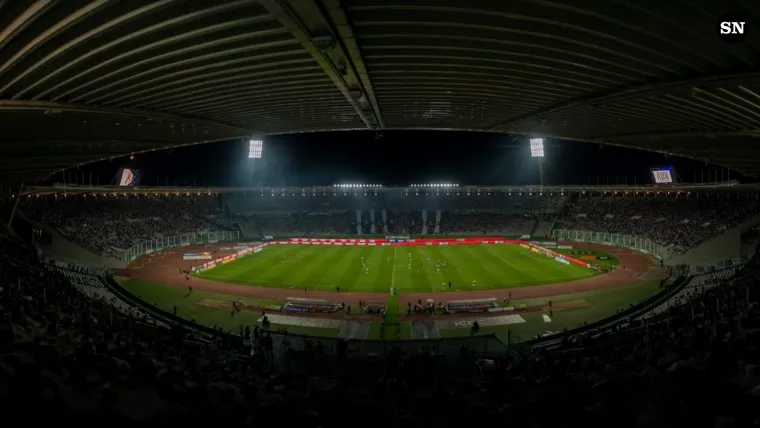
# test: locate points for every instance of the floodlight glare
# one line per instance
(537, 147)
(255, 147)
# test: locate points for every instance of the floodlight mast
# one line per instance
(541, 170)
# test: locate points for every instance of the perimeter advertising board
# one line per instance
(196, 256)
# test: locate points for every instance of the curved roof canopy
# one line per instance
(93, 79)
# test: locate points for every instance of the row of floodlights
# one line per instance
(434, 185)
(357, 185)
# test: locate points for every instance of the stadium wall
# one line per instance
(64, 250)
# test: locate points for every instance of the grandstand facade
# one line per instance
(664, 222)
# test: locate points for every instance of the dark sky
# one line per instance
(398, 158)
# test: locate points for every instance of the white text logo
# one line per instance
(732, 28)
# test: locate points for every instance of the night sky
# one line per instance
(397, 158)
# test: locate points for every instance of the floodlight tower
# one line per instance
(255, 149)
(537, 151)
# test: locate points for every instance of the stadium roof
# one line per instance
(87, 80)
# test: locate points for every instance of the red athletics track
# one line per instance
(163, 268)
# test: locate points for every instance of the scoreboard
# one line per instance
(663, 175)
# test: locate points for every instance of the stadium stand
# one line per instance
(61, 337)
(327, 215)
(107, 226)
(678, 222)
(697, 285)
(88, 81)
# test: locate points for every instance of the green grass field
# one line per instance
(410, 269)
(324, 267)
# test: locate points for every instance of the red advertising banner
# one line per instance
(402, 242)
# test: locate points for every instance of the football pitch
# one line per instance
(409, 269)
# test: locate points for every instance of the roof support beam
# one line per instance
(633, 92)
(698, 134)
(305, 31)
(340, 29)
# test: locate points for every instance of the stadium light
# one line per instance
(255, 148)
(357, 186)
(433, 185)
(537, 147)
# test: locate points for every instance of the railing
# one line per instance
(723, 264)
(367, 358)
(643, 245)
(632, 312)
(185, 239)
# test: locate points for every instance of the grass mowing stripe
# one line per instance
(489, 248)
(393, 272)
(517, 274)
(352, 269)
(270, 263)
(406, 266)
(384, 271)
(451, 274)
(424, 278)
(296, 261)
(426, 271)
(380, 271)
(552, 270)
(483, 277)
(312, 261)
(257, 266)
(348, 264)
(317, 271)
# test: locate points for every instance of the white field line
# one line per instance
(504, 260)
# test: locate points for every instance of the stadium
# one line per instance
(264, 211)
(302, 281)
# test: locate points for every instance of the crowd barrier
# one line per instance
(183, 240)
(639, 244)
(723, 264)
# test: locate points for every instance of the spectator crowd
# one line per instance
(282, 214)
(80, 358)
(679, 223)
(76, 349)
(109, 225)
